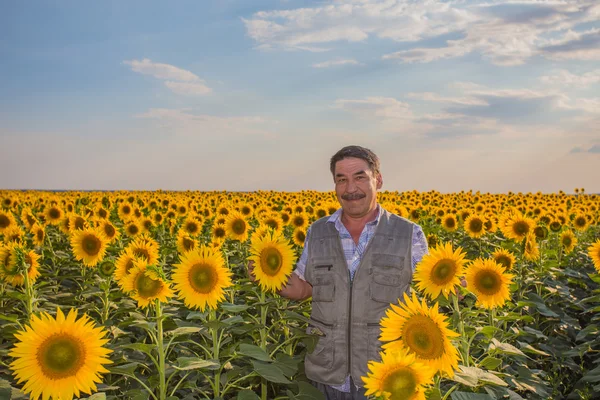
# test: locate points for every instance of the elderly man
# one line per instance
(354, 264)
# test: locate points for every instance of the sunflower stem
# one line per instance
(215, 340)
(461, 329)
(263, 339)
(28, 286)
(162, 390)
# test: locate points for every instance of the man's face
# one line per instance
(356, 186)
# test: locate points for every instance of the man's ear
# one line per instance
(379, 181)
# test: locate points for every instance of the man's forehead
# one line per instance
(351, 165)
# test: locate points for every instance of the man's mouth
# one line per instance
(350, 197)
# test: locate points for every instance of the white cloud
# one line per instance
(335, 63)
(566, 78)
(188, 88)
(385, 107)
(178, 80)
(184, 121)
(504, 32)
(466, 100)
(161, 71)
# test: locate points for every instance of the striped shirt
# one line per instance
(354, 252)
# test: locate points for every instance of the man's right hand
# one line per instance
(294, 289)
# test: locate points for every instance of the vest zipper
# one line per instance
(349, 325)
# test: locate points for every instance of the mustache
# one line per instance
(353, 196)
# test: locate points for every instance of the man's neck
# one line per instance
(349, 221)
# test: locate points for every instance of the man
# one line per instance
(354, 264)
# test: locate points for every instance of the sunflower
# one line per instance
(106, 268)
(421, 331)
(133, 228)
(89, 246)
(192, 225)
(568, 241)
(236, 226)
(474, 225)
(185, 242)
(7, 221)
(125, 211)
(10, 271)
(555, 225)
(38, 233)
(123, 266)
(273, 221)
(518, 227)
(299, 220)
(439, 271)
(145, 247)
(504, 258)
(398, 376)
(299, 236)
(53, 215)
(273, 259)
(158, 218)
(14, 234)
(433, 240)
(541, 232)
(218, 233)
(450, 223)
(532, 250)
(110, 232)
(594, 253)
(580, 222)
(59, 357)
(201, 277)
(144, 285)
(27, 216)
(489, 282)
(77, 223)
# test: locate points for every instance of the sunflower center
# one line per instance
(488, 282)
(203, 278)
(61, 356)
(109, 230)
(40, 235)
(270, 261)
(146, 286)
(580, 221)
(567, 241)
(191, 227)
(476, 225)
(504, 261)
(91, 245)
(54, 213)
(4, 221)
(423, 336)
(133, 229)
(443, 271)
(400, 384)
(140, 252)
(521, 228)
(238, 226)
(450, 222)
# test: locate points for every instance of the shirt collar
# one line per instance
(337, 216)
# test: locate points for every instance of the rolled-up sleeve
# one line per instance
(301, 264)
(419, 245)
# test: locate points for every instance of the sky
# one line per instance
(244, 95)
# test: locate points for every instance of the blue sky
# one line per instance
(247, 95)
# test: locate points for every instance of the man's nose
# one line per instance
(351, 187)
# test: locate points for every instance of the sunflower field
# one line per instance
(147, 295)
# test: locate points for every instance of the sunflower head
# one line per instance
(89, 246)
(440, 271)
(273, 258)
(237, 226)
(145, 283)
(60, 357)
(201, 278)
(489, 282)
(504, 258)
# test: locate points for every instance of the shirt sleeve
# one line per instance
(301, 264)
(419, 246)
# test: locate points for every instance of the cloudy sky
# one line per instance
(258, 94)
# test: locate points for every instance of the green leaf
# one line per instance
(467, 376)
(505, 348)
(127, 369)
(187, 363)
(97, 396)
(470, 396)
(253, 351)
(588, 330)
(306, 391)
(270, 372)
(234, 308)
(186, 330)
(530, 349)
(490, 363)
(247, 394)
(143, 347)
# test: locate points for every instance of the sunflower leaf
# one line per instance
(247, 394)
(186, 330)
(97, 396)
(253, 351)
(187, 363)
(143, 347)
(234, 308)
(470, 396)
(270, 372)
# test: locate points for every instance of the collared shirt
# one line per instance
(354, 252)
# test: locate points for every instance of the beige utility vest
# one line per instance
(347, 313)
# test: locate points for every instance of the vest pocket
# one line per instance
(323, 289)
(374, 345)
(387, 261)
(386, 288)
(322, 356)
